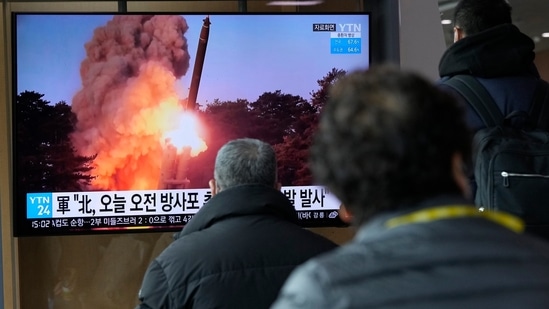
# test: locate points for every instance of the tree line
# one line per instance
(46, 161)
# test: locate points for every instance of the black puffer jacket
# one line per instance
(236, 252)
(502, 60)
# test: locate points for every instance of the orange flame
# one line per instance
(187, 134)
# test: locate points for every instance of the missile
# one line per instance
(198, 64)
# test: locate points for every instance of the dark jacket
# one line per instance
(502, 59)
(236, 252)
(456, 262)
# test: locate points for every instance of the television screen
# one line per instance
(118, 117)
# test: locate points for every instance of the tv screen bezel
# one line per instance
(19, 215)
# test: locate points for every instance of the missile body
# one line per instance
(198, 64)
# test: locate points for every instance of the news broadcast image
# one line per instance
(118, 117)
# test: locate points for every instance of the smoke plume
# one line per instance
(128, 97)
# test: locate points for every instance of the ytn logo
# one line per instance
(349, 27)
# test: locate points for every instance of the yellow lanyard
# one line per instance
(457, 211)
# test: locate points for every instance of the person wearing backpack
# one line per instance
(490, 69)
(490, 48)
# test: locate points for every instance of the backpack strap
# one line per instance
(478, 97)
(539, 110)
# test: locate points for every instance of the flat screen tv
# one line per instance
(117, 117)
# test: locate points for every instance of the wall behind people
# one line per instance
(421, 37)
(1, 273)
(542, 62)
(8, 275)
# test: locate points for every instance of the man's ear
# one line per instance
(345, 215)
(213, 187)
(459, 175)
(278, 186)
(458, 34)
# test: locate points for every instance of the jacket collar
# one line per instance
(376, 225)
(241, 201)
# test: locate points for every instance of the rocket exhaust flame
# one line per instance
(181, 144)
(187, 135)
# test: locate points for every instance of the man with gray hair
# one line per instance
(241, 246)
(244, 161)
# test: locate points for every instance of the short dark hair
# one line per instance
(245, 161)
(386, 139)
(474, 16)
